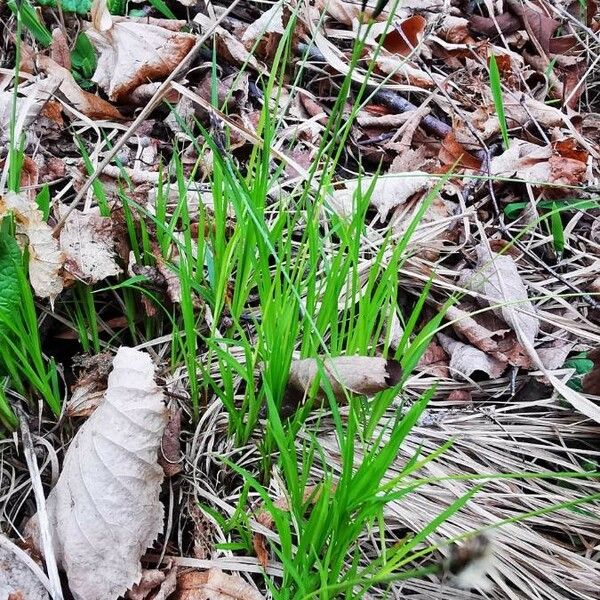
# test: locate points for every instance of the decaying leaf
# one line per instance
(105, 510)
(45, 257)
(170, 448)
(364, 375)
(386, 192)
(266, 31)
(214, 585)
(88, 391)
(17, 580)
(87, 242)
(132, 52)
(466, 360)
(498, 279)
(154, 585)
(591, 381)
(228, 46)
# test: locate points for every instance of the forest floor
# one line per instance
(299, 299)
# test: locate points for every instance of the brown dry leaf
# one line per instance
(404, 38)
(87, 243)
(388, 192)
(498, 279)
(434, 361)
(466, 360)
(17, 580)
(105, 510)
(88, 391)
(61, 80)
(214, 585)
(346, 12)
(228, 46)
(131, 52)
(454, 154)
(45, 258)
(59, 49)
(364, 375)
(170, 447)
(154, 585)
(591, 381)
(264, 34)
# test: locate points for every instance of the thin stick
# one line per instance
(42, 514)
(144, 114)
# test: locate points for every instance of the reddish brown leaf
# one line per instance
(591, 382)
(454, 153)
(404, 38)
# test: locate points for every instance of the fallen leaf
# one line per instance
(87, 243)
(17, 580)
(404, 38)
(131, 53)
(154, 585)
(386, 193)
(170, 447)
(264, 34)
(434, 361)
(88, 391)
(591, 380)
(454, 154)
(363, 375)
(498, 279)
(214, 585)
(466, 360)
(105, 510)
(45, 258)
(228, 46)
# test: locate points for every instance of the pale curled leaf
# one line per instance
(105, 509)
(465, 360)
(364, 375)
(386, 193)
(214, 585)
(498, 279)
(45, 257)
(87, 242)
(132, 53)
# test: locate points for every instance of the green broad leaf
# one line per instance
(83, 57)
(10, 263)
(31, 21)
(81, 7)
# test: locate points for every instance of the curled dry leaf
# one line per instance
(105, 510)
(228, 46)
(466, 360)
(45, 257)
(364, 375)
(214, 585)
(170, 447)
(265, 32)
(87, 242)
(132, 53)
(154, 585)
(498, 279)
(17, 580)
(386, 193)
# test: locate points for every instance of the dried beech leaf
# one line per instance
(132, 52)
(525, 160)
(105, 509)
(214, 585)
(498, 279)
(387, 192)
(364, 375)
(88, 245)
(45, 258)
(465, 360)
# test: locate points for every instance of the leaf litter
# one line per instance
(512, 232)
